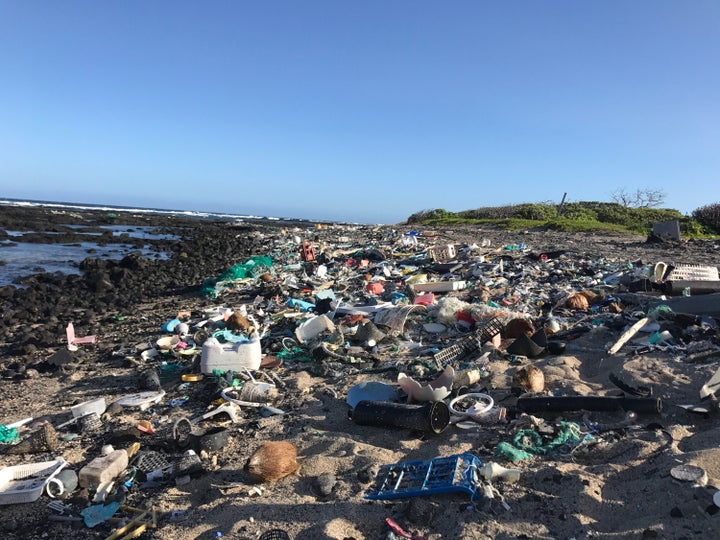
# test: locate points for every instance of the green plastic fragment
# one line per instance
(8, 435)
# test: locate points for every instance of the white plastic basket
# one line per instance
(693, 272)
(25, 483)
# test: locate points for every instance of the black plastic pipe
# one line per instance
(432, 417)
(590, 403)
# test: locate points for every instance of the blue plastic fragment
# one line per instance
(302, 305)
(372, 391)
(458, 473)
(99, 513)
(170, 325)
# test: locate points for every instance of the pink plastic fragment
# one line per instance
(424, 299)
(74, 341)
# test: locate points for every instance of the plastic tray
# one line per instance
(469, 344)
(25, 483)
(437, 475)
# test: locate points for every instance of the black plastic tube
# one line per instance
(431, 417)
(590, 403)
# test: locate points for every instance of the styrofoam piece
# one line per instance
(435, 390)
(439, 286)
(167, 342)
(693, 272)
(88, 407)
(434, 328)
(348, 309)
(141, 398)
(25, 483)
(230, 356)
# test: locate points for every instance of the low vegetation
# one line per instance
(577, 216)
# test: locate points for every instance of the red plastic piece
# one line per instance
(307, 252)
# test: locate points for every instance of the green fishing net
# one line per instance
(252, 268)
(528, 442)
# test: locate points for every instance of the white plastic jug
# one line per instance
(230, 356)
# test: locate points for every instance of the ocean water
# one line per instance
(21, 259)
(154, 211)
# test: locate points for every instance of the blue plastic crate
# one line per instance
(456, 473)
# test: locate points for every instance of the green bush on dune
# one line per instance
(577, 216)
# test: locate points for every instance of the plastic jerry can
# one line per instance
(104, 468)
(230, 356)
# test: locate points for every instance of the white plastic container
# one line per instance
(103, 468)
(25, 483)
(230, 356)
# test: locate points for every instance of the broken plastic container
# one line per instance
(88, 407)
(313, 327)
(230, 356)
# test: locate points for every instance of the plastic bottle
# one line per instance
(103, 468)
(493, 471)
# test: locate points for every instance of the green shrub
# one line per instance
(578, 211)
(578, 216)
(424, 216)
(538, 211)
(489, 212)
(708, 216)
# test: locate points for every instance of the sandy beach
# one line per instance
(610, 478)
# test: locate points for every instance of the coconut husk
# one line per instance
(577, 301)
(272, 461)
(237, 322)
(529, 379)
(519, 327)
(592, 297)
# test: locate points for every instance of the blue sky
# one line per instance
(362, 111)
